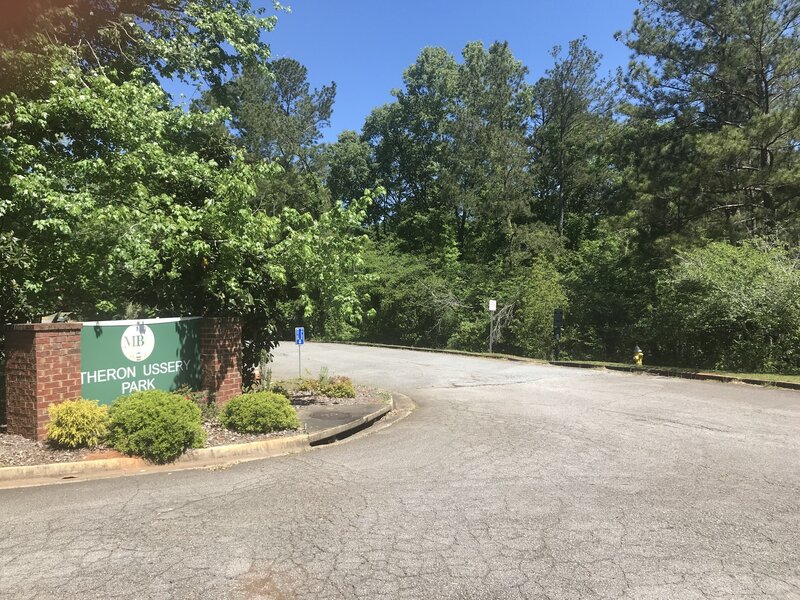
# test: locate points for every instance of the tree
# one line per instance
(276, 117)
(116, 200)
(715, 117)
(276, 114)
(489, 177)
(350, 169)
(410, 142)
(451, 150)
(411, 301)
(573, 119)
(204, 41)
(539, 291)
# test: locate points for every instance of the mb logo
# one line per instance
(137, 342)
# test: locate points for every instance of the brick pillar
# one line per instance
(220, 355)
(43, 367)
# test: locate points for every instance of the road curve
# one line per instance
(509, 480)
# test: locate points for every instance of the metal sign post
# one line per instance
(492, 309)
(299, 339)
(558, 323)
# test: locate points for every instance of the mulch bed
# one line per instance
(16, 451)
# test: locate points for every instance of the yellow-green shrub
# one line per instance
(77, 424)
(339, 387)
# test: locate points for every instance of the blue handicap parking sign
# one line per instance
(299, 335)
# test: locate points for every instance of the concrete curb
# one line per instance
(11, 477)
(699, 375)
(789, 385)
(509, 357)
(333, 432)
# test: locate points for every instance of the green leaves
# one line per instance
(119, 203)
(732, 307)
(720, 80)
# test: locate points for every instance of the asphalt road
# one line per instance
(507, 481)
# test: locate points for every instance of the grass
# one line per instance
(759, 376)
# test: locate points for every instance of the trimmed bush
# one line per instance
(156, 425)
(260, 412)
(77, 424)
(339, 387)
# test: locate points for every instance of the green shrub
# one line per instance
(77, 424)
(260, 412)
(339, 387)
(156, 425)
(731, 307)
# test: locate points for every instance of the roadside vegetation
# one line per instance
(161, 426)
(77, 424)
(659, 206)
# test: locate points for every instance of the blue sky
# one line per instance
(365, 45)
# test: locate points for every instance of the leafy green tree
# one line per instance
(539, 291)
(197, 40)
(74, 77)
(350, 169)
(410, 144)
(412, 300)
(451, 150)
(276, 114)
(489, 172)
(276, 117)
(113, 196)
(574, 176)
(610, 284)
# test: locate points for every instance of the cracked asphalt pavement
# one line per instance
(509, 480)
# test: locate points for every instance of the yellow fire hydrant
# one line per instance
(638, 355)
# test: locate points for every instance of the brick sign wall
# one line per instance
(43, 366)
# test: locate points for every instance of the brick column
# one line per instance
(43, 367)
(220, 355)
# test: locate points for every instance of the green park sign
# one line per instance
(122, 357)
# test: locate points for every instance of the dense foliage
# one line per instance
(156, 425)
(658, 208)
(259, 412)
(737, 305)
(77, 424)
(116, 202)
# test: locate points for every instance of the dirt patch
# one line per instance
(17, 451)
(364, 395)
(217, 435)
